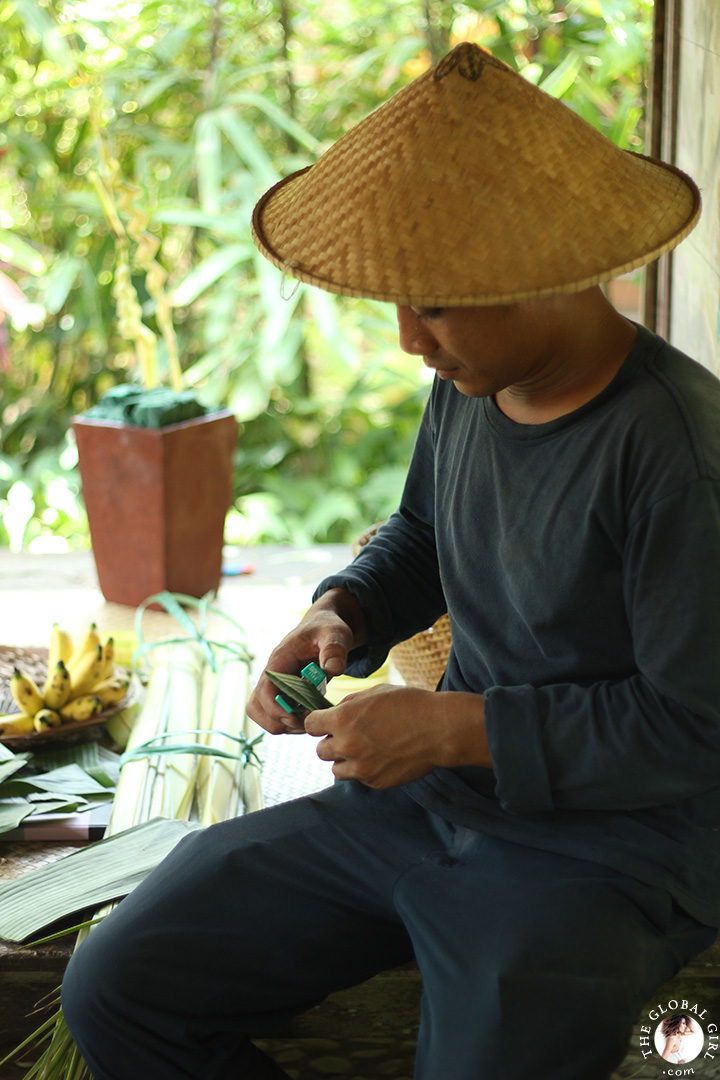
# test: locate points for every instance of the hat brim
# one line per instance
(472, 191)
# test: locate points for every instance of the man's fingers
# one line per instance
(334, 645)
(317, 723)
(293, 725)
(265, 711)
(326, 750)
(333, 658)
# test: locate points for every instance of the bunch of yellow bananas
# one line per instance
(81, 682)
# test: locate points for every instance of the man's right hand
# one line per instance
(328, 631)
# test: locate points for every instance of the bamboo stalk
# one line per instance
(183, 715)
(220, 788)
(137, 775)
(207, 713)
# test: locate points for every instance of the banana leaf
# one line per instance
(12, 765)
(107, 870)
(48, 802)
(97, 761)
(13, 812)
(68, 780)
(14, 809)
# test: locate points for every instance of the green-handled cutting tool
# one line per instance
(300, 693)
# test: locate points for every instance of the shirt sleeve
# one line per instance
(652, 738)
(395, 577)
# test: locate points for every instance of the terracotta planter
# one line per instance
(156, 502)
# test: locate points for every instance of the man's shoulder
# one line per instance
(686, 381)
(673, 403)
(670, 383)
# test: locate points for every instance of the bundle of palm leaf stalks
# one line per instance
(190, 761)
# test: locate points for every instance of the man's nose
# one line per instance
(415, 338)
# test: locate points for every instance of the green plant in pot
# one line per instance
(156, 465)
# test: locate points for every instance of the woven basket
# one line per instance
(422, 659)
(34, 662)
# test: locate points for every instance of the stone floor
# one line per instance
(374, 1058)
(377, 1058)
(355, 1059)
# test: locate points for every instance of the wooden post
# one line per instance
(661, 142)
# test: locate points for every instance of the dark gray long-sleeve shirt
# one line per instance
(579, 561)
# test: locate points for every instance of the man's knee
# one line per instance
(98, 985)
(84, 986)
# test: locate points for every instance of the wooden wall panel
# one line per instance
(695, 286)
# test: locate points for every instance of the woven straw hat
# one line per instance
(471, 186)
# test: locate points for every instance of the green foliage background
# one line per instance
(188, 111)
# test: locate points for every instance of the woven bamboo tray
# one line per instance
(422, 659)
(33, 661)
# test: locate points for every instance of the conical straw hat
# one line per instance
(472, 186)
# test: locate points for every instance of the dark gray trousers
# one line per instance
(535, 966)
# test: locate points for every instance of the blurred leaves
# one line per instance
(17, 252)
(205, 105)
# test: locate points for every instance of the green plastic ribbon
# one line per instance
(152, 747)
(173, 605)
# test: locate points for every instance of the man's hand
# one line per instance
(326, 634)
(392, 735)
